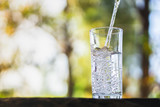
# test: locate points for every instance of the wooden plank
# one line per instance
(77, 102)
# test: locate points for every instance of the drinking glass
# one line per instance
(106, 62)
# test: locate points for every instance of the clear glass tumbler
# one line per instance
(106, 62)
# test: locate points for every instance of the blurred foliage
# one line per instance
(28, 10)
(82, 77)
(6, 93)
(11, 24)
(4, 4)
(146, 46)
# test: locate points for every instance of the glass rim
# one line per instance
(98, 28)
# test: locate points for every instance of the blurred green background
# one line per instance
(45, 46)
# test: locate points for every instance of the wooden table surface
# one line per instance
(77, 102)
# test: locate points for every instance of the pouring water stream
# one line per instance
(108, 39)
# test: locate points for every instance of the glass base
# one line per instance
(105, 96)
